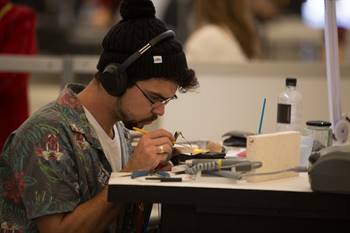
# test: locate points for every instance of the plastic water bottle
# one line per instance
(289, 108)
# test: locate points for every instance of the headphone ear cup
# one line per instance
(121, 83)
(114, 80)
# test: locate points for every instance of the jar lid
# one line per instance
(319, 123)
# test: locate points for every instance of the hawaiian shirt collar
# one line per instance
(77, 120)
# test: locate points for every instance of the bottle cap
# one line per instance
(291, 82)
(319, 123)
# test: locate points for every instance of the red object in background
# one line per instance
(107, 3)
(17, 36)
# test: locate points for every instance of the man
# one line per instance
(55, 167)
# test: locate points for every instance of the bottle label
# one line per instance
(284, 113)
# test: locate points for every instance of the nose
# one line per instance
(159, 110)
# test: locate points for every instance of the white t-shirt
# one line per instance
(111, 147)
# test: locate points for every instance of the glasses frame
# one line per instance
(153, 102)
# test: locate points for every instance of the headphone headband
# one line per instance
(154, 41)
(161, 37)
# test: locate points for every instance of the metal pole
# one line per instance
(339, 126)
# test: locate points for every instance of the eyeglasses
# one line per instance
(156, 101)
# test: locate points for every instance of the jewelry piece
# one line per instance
(161, 149)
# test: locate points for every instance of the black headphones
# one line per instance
(114, 78)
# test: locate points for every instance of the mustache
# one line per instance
(132, 123)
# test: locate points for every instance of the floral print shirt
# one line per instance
(53, 163)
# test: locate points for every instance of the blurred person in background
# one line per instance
(224, 32)
(98, 12)
(177, 15)
(265, 10)
(105, 12)
(17, 36)
(271, 12)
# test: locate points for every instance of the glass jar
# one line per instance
(321, 132)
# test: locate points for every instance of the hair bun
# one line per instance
(132, 9)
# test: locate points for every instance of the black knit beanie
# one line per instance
(137, 27)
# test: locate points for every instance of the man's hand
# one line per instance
(152, 149)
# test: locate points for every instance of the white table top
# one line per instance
(298, 183)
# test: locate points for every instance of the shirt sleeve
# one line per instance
(46, 171)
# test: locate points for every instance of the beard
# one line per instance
(129, 123)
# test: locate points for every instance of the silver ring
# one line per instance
(161, 149)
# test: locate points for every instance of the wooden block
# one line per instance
(276, 151)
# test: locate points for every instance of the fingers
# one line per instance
(160, 133)
(163, 145)
(165, 166)
(164, 149)
(158, 138)
(161, 149)
(162, 157)
(165, 142)
(152, 148)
